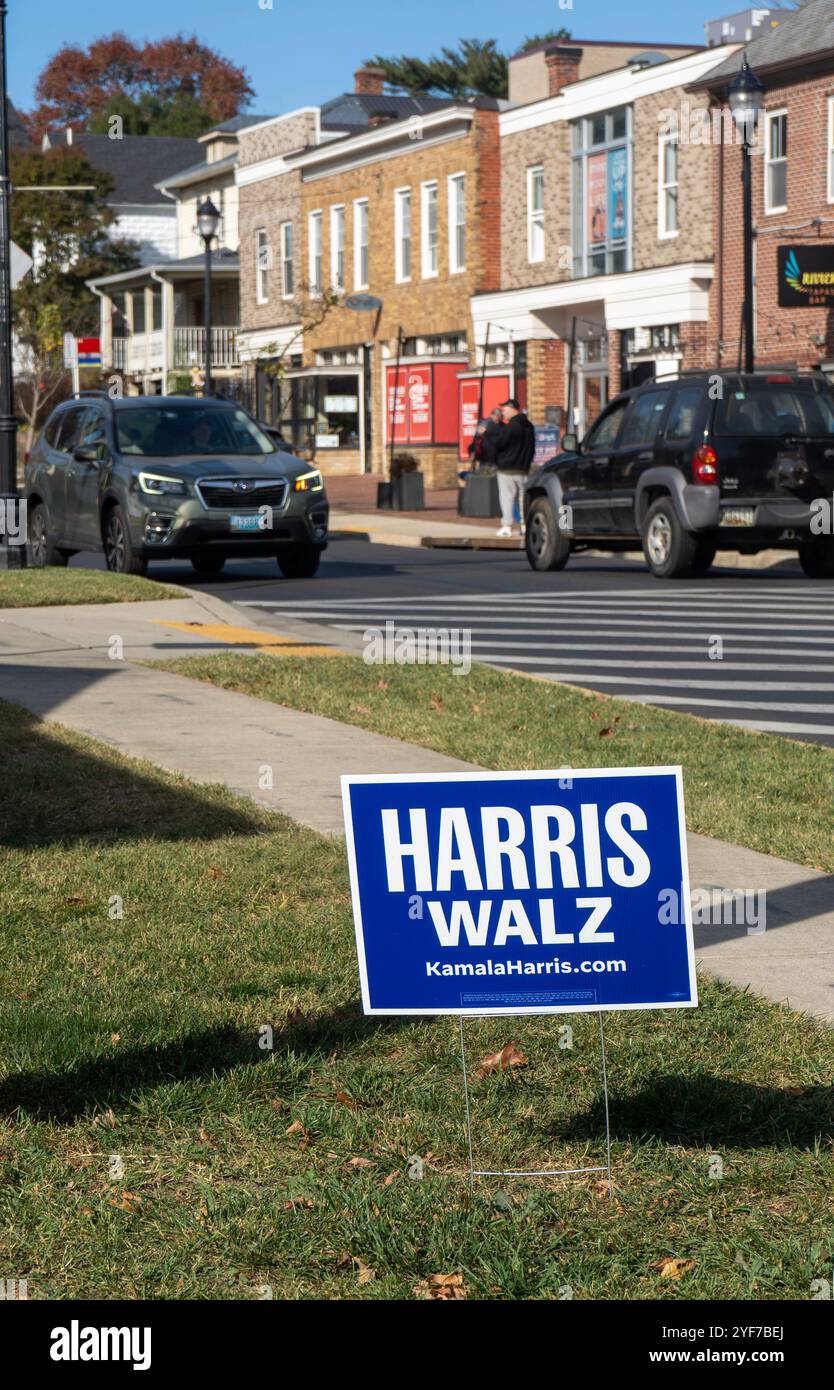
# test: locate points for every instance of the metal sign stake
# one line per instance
(540, 1172)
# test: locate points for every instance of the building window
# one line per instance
(601, 193)
(261, 266)
(776, 161)
(402, 234)
(428, 230)
(315, 252)
(667, 192)
(360, 244)
(831, 149)
(287, 277)
(337, 248)
(535, 213)
(457, 223)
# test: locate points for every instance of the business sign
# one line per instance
(363, 303)
(520, 892)
(806, 276)
(418, 391)
(617, 194)
(547, 444)
(89, 352)
(597, 195)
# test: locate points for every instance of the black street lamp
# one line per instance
(744, 95)
(208, 220)
(11, 556)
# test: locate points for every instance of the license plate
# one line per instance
(245, 521)
(738, 516)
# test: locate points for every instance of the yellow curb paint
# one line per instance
(274, 642)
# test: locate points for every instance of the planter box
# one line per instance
(404, 494)
(479, 496)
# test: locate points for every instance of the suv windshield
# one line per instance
(770, 409)
(164, 431)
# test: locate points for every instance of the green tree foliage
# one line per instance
(474, 68)
(173, 86)
(552, 36)
(66, 234)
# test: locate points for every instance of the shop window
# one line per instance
(601, 193)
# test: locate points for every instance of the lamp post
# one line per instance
(12, 556)
(208, 219)
(744, 95)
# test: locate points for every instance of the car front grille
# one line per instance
(242, 494)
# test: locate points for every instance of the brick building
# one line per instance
(606, 231)
(793, 198)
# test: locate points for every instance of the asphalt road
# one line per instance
(747, 647)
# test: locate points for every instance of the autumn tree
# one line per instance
(173, 86)
(67, 236)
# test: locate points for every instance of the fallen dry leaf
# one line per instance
(601, 1187)
(128, 1201)
(344, 1099)
(205, 1137)
(672, 1268)
(382, 685)
(296, 1128)
(294, 1202)
(364, 1273)
(360, 709)
(442, 1286)
(106, 1120)
(391, 1177)
(435, 700)
(360, 1163)
(115, 1037)
(214, 872)
(607, 732)
(509, 1056)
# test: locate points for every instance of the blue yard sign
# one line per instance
(521, 892)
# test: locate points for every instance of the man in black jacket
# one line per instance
(516, 448)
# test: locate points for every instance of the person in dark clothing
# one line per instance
(514, 454)
(485, 443)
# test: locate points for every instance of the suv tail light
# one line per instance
(705, 465)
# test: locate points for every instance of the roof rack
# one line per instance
(99, 394)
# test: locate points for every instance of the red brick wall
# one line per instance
(782, 335)
(488, 199)
(614, 362)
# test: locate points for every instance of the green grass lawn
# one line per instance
(759, 790)
(39, 588)
(150, 1146)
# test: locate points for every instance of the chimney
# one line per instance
(369, 81)
(562, 67)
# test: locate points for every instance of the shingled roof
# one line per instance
(137, 163)
(800, 37)
(353, 111)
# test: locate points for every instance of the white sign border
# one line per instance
(349, 780)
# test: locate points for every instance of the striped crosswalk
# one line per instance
(759, 657)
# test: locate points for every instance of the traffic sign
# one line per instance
(521, 892)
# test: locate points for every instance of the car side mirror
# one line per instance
(570, 444)
(87, 453)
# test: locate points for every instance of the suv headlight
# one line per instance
(309, 482)
(158, 485)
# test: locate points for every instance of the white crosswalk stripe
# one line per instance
(747, 656)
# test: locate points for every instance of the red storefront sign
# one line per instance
(412, 410)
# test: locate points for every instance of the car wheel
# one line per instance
(817, 558)
(547, 547)
(704, 554)
(118, 550)
(42, 550)
(299, 561)
(668, 547)
(208, 564)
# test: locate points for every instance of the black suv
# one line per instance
(705, 461)
(170, 477)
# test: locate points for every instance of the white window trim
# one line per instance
(334, 277)
(426, 272)
(830, 151)
(663, 233)
(260, 271)
(768, 117)
(285, 293)
(450, 180)
(531, 171)
(317, 213)
(358, 283)
(399, 193)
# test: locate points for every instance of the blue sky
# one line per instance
(301, 52)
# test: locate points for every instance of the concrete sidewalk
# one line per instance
(55, 662)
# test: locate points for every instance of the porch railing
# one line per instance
(190, 347)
